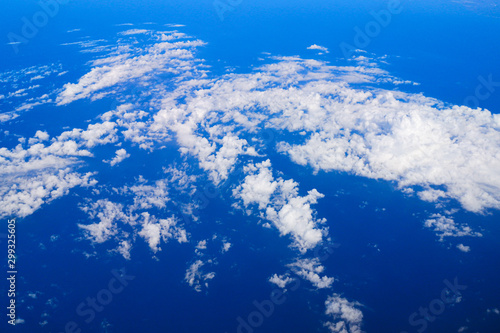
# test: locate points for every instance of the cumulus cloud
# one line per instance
(442, 151)
(280, 280)
(123, 223)
(134, 32)
(202, 245)
(22, 195)
(347, 318)
(328, 117)
(279, 202)
(121, 154)
(226, 246)
(163, 229)
(43, 169)
(108, 213)
(318, 47)
(136, 64)
(148, 196)
(124, 249)
(196, 278)
(336, 120)
(257, 187)
(446, 227)
(310, 270)
(463, 248)
(493, 310)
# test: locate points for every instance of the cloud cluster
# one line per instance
(446, 227)
(22, 195)
(327, 117)
(280, 280)
(318, 48)
(463, 248)
(310, 270)
(121, 154)
(279, 202)
(439, 150)
(196, 277)
(136, 64)
(41, 169)
(163, 229)
(122, 223)
(21, 89)
(347, 317)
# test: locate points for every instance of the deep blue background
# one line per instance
(444, 46)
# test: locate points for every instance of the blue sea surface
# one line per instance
(383, 256)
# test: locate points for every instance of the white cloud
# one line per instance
(463, 248)
(347, 318)
(134, 32)
(148, 196)
(280, 280)
(95, 134)
(123, 223)
(22, 195)
(279, 202)
(121, 154)
(124, 249)
(164, 229)
(406, 138)
(436, 150)
(43, 170)
(202, 245)
(446, 227)
(226, 246)
(414, 141)
(310, 270)
(257, 187)
(493, 310)
(42, 136)
(108, 213)
(318, 47)
(196, 278)
(162, 57)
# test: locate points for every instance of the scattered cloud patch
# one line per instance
(226, 246)
(347, 318)
(463, 248)
(280, 280)
(202, 245)
(446, 227)
(121, 154)
(278, 201)
(319, 48)
(196, 278)
(310, 270)
(134, 32)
